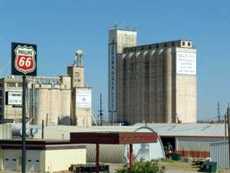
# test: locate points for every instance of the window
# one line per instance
(37, 161)
(11, 84)
(14, 159)
(189, 44)
(183, 43)
(6, 159)
(29, 160)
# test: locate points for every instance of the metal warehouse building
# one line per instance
(189, 139)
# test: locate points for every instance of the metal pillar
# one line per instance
(24, 124)
(130, 156)
(97, 157)
(43, 129)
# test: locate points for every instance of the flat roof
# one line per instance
(112, 137)
(39, 144)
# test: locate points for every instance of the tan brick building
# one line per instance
(157, 83)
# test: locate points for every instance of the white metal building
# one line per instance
(108, 153)
(189, 139)
(42, 156)
(219, 152)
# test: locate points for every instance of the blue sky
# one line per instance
(58, 27)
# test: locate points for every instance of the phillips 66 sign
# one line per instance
(24, 59)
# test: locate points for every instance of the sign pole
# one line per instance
(24, 124)
(24, 63)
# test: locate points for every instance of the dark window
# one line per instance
(29, 160)
(6, 159)
(189, 44)
(183, 43)
(37, 160)
(14, 160)
(11, 84)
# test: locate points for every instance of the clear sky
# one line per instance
(58, 27)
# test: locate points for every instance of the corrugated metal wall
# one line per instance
(195, 143)
(195, 147)
(219, 152)
(5, 131)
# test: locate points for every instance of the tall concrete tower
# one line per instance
(119, 38)
(81, 106)
(76, 71)
(157, 83)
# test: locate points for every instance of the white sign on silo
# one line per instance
(83, 98)
(185, 61)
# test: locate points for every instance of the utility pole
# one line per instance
(218, 111)
(228, 121)
(100, 111)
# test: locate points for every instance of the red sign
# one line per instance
(25, 59)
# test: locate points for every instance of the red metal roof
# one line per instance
(113, 137)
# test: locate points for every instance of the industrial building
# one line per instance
(157, 83)
(191, 140)
(55, 100)
(153, 83)
(119, 38)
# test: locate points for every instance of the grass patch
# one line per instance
(177, 165)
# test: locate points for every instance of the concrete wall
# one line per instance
(40, 161)
(60, 160)
(52, 105)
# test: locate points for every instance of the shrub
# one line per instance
(142, 167)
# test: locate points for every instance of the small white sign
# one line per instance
(83, 98)
(14, 97)
(186, 61)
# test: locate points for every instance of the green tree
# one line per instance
(142, 167)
